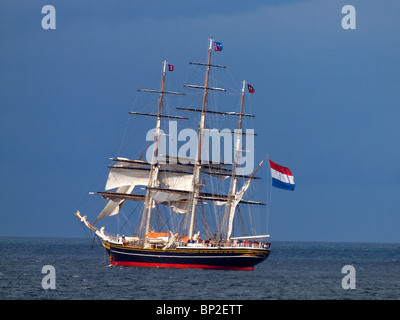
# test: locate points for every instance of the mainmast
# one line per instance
(197, 164)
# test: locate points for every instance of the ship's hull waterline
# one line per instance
(223, 258)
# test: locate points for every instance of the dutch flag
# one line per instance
(281, 177)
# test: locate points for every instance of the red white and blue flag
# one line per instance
(281, 177)
(218, 46)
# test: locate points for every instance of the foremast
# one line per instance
(148, 204)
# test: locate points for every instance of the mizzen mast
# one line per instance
(232, 188)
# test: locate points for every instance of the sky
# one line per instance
(327, 104)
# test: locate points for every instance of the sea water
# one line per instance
(294, 270)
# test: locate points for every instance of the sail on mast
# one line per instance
(126, 174)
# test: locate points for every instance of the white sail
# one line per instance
(127, 176)
(176, 180)
(238, 198)
(114, 205)
(165, 196)
(119, 177)
(179, 207)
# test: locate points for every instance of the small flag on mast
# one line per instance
(171, 67)
(218, 46)
(282, 178)
(250, 89)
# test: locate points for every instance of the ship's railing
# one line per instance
(200, 243)
(219, 244)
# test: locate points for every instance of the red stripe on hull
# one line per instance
(175, 265)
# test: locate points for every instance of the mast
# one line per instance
(149, 202)
(197, 165)
(232, 188)
(238, 198)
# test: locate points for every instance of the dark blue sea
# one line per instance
(294, 270)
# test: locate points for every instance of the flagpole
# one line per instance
(268, 206)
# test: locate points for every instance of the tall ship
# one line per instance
(188, 211)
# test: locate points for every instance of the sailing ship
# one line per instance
(178, 185)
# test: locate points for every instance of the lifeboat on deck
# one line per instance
(158, 237)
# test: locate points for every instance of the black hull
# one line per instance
(228, 258)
